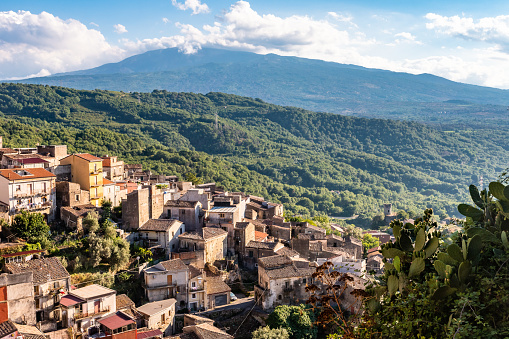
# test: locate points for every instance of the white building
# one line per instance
(167, 279)
(162, 233)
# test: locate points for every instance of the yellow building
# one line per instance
(87, 170)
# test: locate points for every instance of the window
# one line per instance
(183, 212)
(251, 254)
(77, 197)
(193, 284)
(304, 280)
(18, 188)
(279, 297)
(193, 296)
(56, 284)
(221, 215)
(287, 284)
(172, 234)
(181, 231)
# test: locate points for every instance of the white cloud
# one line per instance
(94, 24)
(166, 20)
(35, 43)
(405, 37)
(490, 29)
(195, 5)
(120, 29)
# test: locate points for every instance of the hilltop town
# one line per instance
(199, 244)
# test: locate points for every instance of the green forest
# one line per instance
(314, 163)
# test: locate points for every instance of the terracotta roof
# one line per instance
(123, 301)
(32, 173)
(212, 232)
(216, 285)
(181, 203)
(17, 254)
(208, 331)
(6, 328)
(70, 300)
(6, 150)
(88, 157)
(149, 334)
(174, 265)
(44, 270)
(275, 261)
(191, 235)
(116, 320)
(260, 236)
(108, 182)
(159, 225)
(194, 272)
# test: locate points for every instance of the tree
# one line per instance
(30, 226)
(270, 333)
(91, 222)
(106, 207)
(297, 320)
(369, 241)
(193, 178)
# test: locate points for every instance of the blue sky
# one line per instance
(465, 41)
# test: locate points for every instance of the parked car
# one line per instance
(233, 297)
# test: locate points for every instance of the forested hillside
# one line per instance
(314, 163)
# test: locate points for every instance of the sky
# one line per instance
(465, 41)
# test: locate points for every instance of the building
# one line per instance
(70, 194)
(10, 330)
(159, 315)
(17, 298)
(263, 209)
(189, 212)
(257, 249)
(117, 326)
(167, 279)
(217, 291)
(73, 216)
(281, 282)
(206, 331)
(30, 189)
(197, 289)
(211, 241)
(87, 171)
(50, 280)
(244, 232)
(112, 192)
(142, 205)
(113, 169)
(162, 233)
(83, 307)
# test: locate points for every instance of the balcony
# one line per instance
(21, 194)
(93, 172)
(82, 315)
(33, 207)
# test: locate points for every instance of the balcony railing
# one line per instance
(82, 315)
(96, 171)
(33, 207)
(20, 194)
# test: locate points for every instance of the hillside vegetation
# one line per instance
(314, 163)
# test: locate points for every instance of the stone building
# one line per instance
(244, 232)
(142, 205)
(70, 194)
(50, 280)
(189, 212)
(161, 233)
(256, 249)
(17, 298)
(211, 241)
(281, 282)
(263, 209)
(73, 216)
(113, 168)
(217, 291)
(197, 289)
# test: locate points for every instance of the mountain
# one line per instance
(314, 163)
(292, 81)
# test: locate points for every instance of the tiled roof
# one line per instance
(116, 320)
(189, 335)
(17, 254)
(275, 261)
(6, 150)
(197, 319)
(79, 210)
(6, 328)
(260, 236)
(191, 235)
(107, 182)
(70, 300)
(194, 272)
(208, 331)
(289, 271)
(88, 157)
(159, 225)
(149, 334)
(44, 270)
(123, 301)
(212, 232)
(30, 332)
(262, 245)
(181, 203)
(287, 251)
(32, 173)
(174, 265)
(216, 285)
